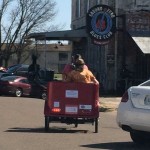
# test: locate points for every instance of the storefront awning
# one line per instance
(70, 35)
(142, 41)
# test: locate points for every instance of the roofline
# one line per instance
(70, 35)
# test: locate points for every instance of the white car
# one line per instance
(133, 113)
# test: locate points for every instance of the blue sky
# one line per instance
(64, 13)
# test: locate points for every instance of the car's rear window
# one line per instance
(9, 78)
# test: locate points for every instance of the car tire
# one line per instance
(44, 95)
(18, 92)
(137, 137)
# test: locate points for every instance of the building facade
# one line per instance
(49, 56)
(54, 56)
(125, 60)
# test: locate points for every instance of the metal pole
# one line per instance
(45, 53)
(124, 40)
(116, 52)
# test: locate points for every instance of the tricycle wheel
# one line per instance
(96, 125)
(46, 123)
(44, 95)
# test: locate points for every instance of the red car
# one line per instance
(20, 86)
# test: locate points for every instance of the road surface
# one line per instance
(22, 128)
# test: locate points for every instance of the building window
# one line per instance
(63, 56)
(78, 8)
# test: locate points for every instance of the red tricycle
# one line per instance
(72, 103)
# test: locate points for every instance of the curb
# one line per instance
(109, 104)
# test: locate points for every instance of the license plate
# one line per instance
(147, 100)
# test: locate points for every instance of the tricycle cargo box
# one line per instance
(76, 101)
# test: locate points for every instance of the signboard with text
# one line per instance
(101, 24)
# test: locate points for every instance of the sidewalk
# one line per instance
(108, 104)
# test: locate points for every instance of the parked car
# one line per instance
(20, 86)
(22, 70)
(39, 89)
(13, 66)
(3, 74)
(133, 113)
(19, 70)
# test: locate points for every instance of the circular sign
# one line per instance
(101, 24)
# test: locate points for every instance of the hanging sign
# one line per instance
(101, 24)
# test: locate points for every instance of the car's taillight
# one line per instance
(56, 110)
(125, 97)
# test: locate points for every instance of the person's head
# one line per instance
(76, 57)
(34, 58)
(79, 64)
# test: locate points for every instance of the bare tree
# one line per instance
(3, 7)
(24, 17)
